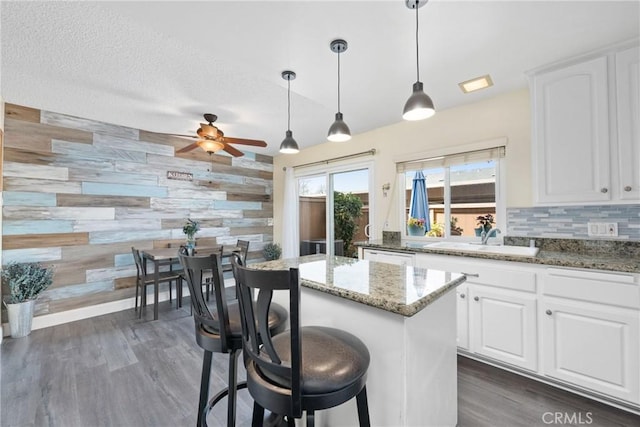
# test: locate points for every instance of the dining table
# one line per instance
(164, 256)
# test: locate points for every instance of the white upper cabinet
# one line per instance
(585, 130)
(628, 109)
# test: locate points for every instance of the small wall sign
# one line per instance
(181, 176)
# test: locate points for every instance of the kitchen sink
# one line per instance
(488, 249)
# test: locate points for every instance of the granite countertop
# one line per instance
(403, 290)
(621, 256)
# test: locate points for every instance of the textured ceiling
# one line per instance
(159, 65)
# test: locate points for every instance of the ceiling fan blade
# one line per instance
(188, 148)
(242, 141)
(176, 134)
(233, 151)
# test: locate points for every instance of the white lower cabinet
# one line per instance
(591, 331)
(576, 327)
(503, 325)
(496, 308)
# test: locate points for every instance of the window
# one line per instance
(336, 200)
(462, 194)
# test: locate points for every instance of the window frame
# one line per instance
(500, 193)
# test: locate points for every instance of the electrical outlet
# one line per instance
(602, 229)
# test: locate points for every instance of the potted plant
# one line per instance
(485, 222)
(271, 251)
(190, 228)
(415, 226)
(25, 282)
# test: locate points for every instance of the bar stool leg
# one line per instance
(363, 408)
(233, 384)
(204, 385)
(258, 415)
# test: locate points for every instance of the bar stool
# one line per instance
(303, 369)
(220, 331)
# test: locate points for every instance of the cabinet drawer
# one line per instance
(603, 288)
(398, 258)
(504, 278)
(501, 274)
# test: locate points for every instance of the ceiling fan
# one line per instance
(212, 139)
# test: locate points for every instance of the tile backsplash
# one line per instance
(570, 222)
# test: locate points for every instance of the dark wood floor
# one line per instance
(116, 370)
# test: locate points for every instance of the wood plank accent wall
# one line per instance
(78, 194)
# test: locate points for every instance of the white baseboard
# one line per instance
(53, 319)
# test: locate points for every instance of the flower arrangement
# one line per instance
(416, 222)
(485, 222)
(190, 228)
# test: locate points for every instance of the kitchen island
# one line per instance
(407, 318)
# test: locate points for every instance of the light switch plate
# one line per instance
(602, 229)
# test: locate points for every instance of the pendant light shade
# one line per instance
(339, 131)
(289, 145)
(419, 106)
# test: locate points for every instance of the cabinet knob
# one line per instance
(604, 190)
(549, 312)
(627, 188)
(476, 299)
(462, 295)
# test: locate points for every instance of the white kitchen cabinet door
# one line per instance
(571, 148)
(502, 325)
(628, 100)
(593, 346)
(398, 258)
(462, 306)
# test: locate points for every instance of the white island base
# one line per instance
(412, 379)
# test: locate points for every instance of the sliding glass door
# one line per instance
(334, 210)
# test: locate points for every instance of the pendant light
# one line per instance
(339, 131)
(419, 106)
(289, 145)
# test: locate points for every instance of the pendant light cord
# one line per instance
(339, 80)
(417, 50)
(289, 103)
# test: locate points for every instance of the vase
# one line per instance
(478, 231)
(415, 230)
(20, 317)
(190, 245)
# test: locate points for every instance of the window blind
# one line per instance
(452, 159)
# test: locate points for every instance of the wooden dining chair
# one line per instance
(146, 278)
(243, 245)
(219, 331)
(303, 369)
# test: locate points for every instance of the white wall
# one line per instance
(502, 116)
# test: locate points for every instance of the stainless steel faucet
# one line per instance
(484, 236)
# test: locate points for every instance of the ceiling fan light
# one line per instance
(339, 131)
(419, 106)
(210, 146)
(289, 145)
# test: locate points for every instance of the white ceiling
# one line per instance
(158, 65)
